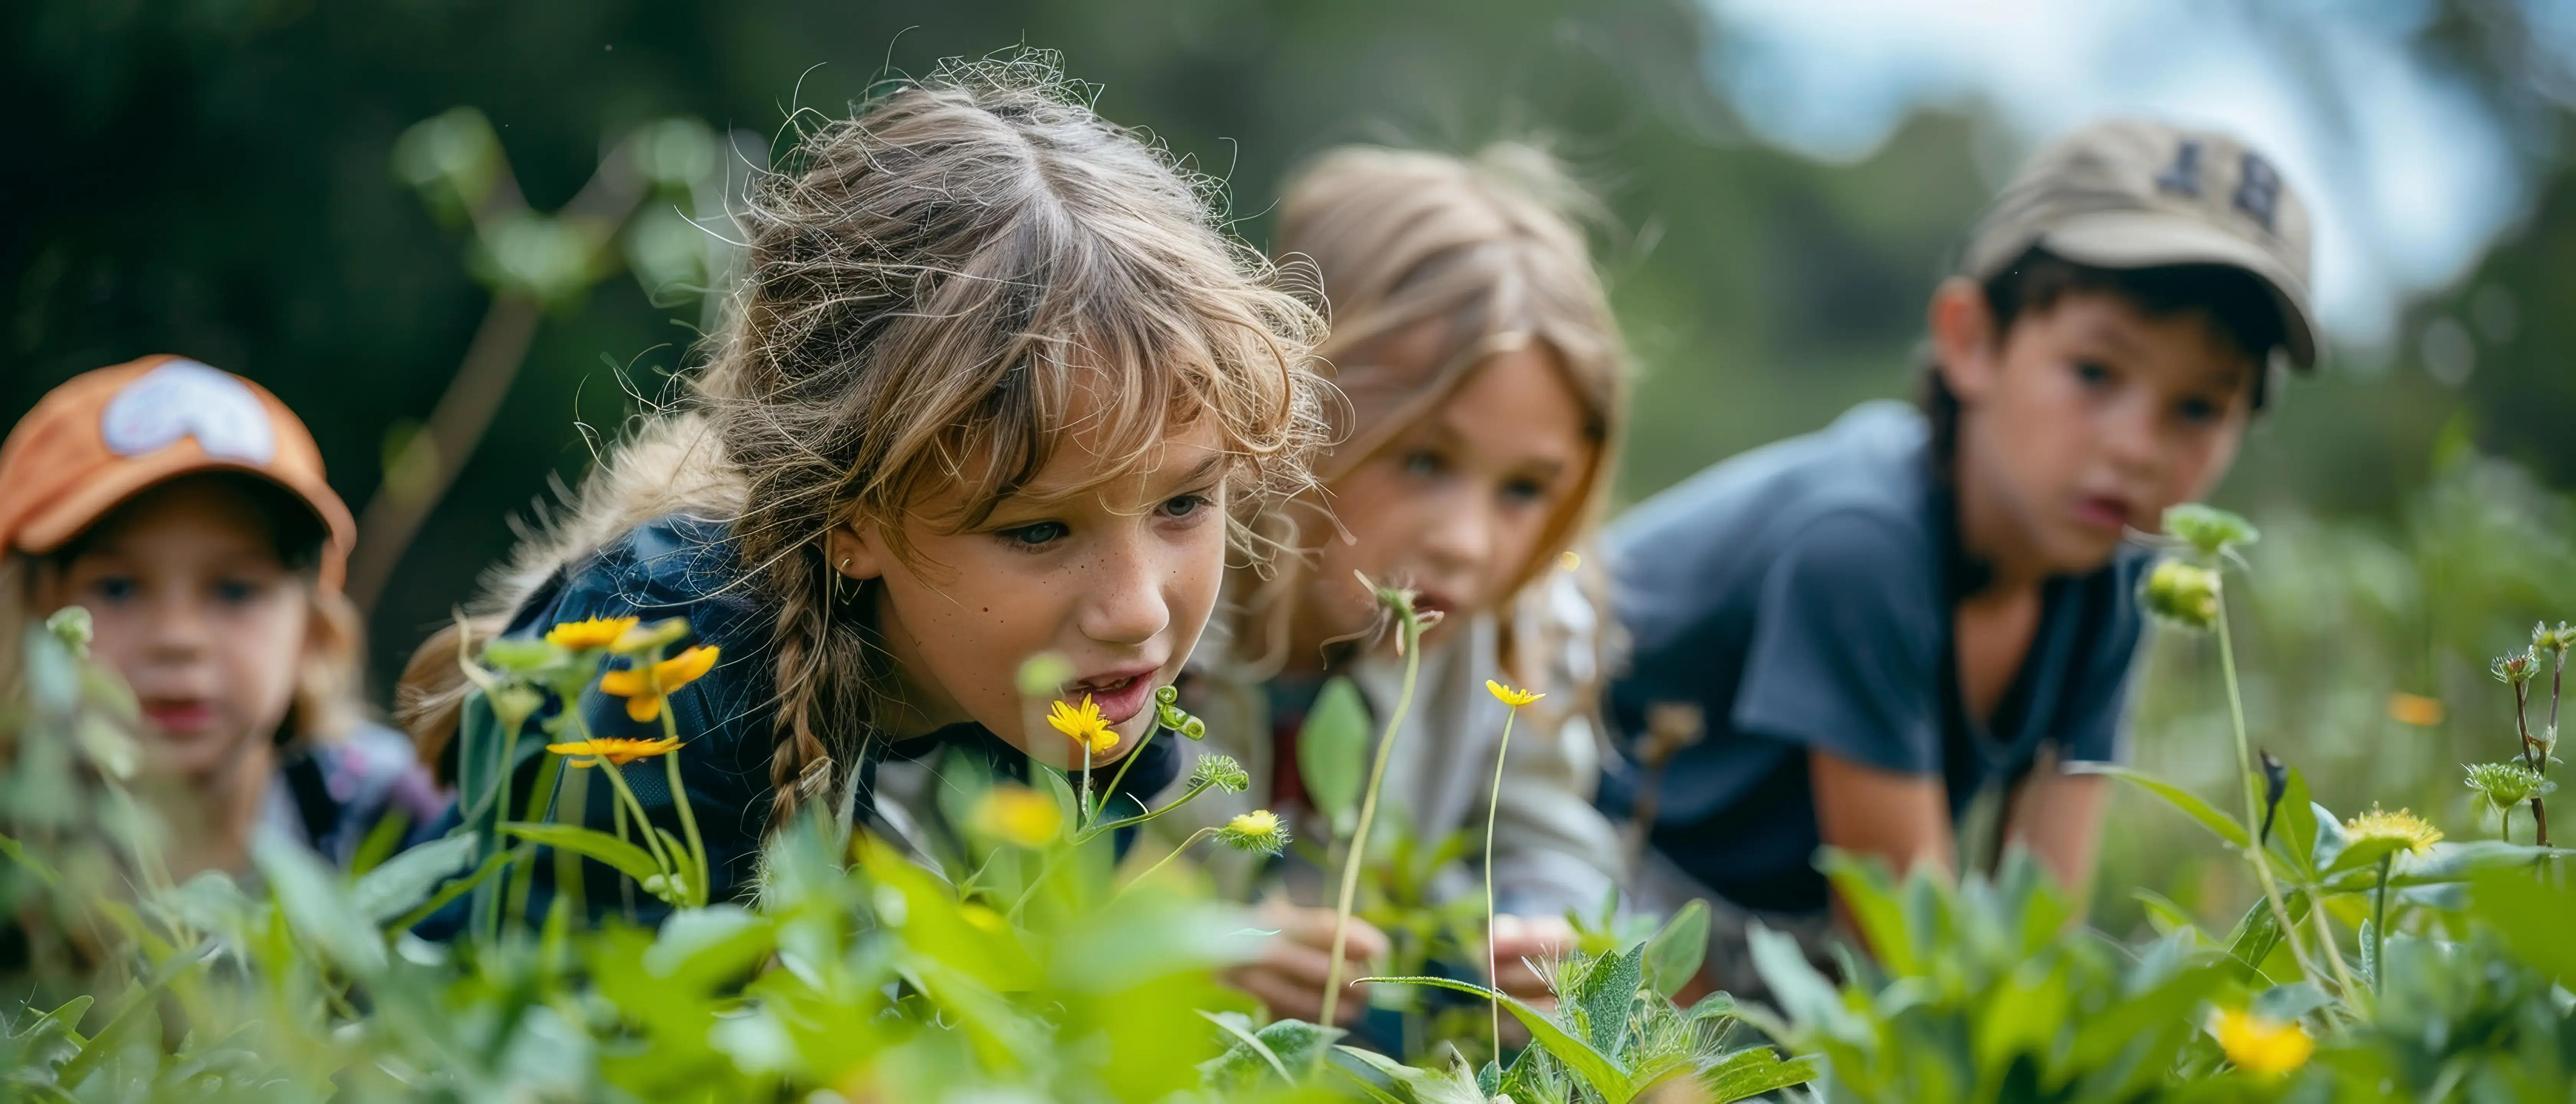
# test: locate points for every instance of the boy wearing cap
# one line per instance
(186, 510)
(1868, 626)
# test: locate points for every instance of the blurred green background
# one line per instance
(218, 178)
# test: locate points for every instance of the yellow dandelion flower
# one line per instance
(589, 753)
(2414, 709)
(586, 635)
(1509, 696)
(2403, 826)
(644, 687)
(1020, 815)
(1084, 725)
(2263, 1045)
(1258, 830)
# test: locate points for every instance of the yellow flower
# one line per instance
(2403, 826)
(583, 636)
(1084, 725)
(1020, 815)
(1569, 560)
(2414, 709)
(1509, 696)
(1258, 830)
(588, 753)
(644, 687)
(2261, 1044)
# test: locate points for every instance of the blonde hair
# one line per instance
(939, 293)
(1489, 250)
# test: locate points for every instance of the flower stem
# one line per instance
(2379, 928)
(635, 809)
(1148, 872)
(1410, 630)
(698, 887)
(1138, 752)
(1493, 956)
(1094, 831)
(2249, 780)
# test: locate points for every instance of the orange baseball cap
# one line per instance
(106, 436)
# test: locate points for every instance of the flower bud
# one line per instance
(2507, 784)
(2182, 594)
(1222, 772)
(2515, 668)
(72, 626)
(2211, 531)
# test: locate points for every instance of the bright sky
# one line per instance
(2408, 172)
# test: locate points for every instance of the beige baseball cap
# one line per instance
(2129, 193)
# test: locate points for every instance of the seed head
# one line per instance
(2515, 668)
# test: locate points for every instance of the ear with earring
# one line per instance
(841, 575)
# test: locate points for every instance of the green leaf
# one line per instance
(1420, 1086)
(1608, 1079)
(1865, 887)
(2226, 826)
(2365, 853)
(2291, 1001)
(1242, 1061)
(1673, 956)
(1800, 990)
(1331, 747)
(2162, 913)
(317, 907)
(1606, 991)
(401, 882)
(628, 859)
(18, 854)
(2294, 826)
(2532, 916)
(1752, 1072)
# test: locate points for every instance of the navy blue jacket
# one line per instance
(678, 566)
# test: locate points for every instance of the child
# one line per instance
(1876, 623)
(1486, 386)
(993, 385)
(185, 509)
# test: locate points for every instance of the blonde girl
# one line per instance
(994, 384)
(1485, 385)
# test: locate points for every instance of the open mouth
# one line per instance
(1119, 695)
(179, 716)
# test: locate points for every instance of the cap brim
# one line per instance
(55, 525)
(2140, 239)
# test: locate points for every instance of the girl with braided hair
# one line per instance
(995, 383)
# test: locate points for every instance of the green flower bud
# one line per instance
(1222, 772)
(2182, 594)
(72, 626)
(2507, 784)
(1167, 695)
(2210, 530)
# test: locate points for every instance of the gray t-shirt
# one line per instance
(1801, 596)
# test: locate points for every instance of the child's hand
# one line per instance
(1520, 941)
(1289, 975)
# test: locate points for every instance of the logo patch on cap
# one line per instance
(183, 398)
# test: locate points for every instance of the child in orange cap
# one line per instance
(185, 509)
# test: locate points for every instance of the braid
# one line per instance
(801, 765)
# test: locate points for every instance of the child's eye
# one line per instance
(1422, 462)
(1181, 506)
(2197, 411)
(238, 592)
(2092, 374)
(1524, 492)
(112, 588)
(1038, 535)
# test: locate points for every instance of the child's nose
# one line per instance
(1125, 602)
(1458, 534)
(180, 628)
